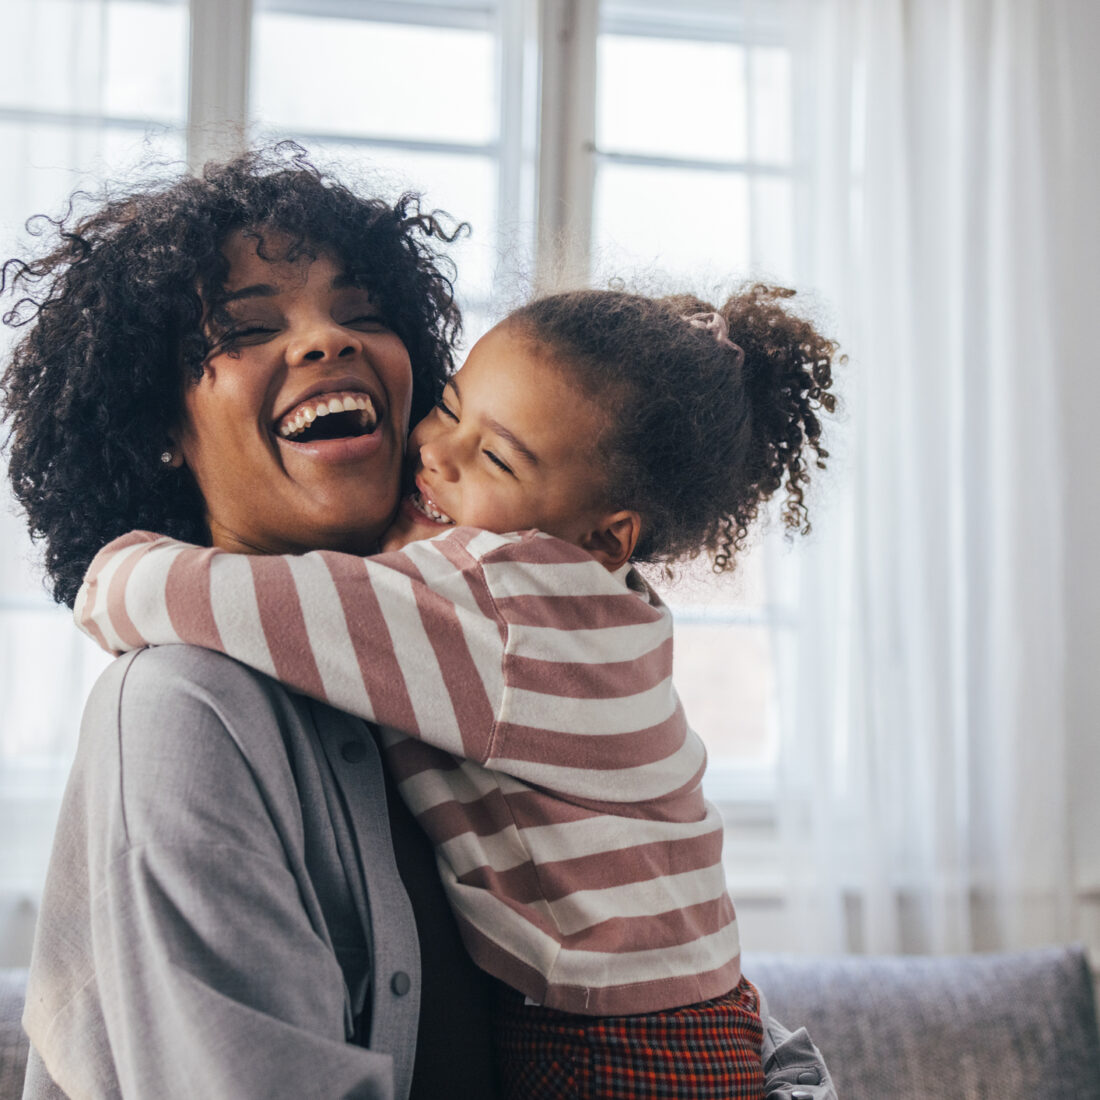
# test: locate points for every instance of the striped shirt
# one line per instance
(529, 717)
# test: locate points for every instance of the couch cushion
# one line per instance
(13, 1040)
(1012, 1027)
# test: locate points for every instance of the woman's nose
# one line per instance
(320, 341)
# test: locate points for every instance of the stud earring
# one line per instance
(166, 457)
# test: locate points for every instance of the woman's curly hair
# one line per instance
(114, 329)
(692, 440)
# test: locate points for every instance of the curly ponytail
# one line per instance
(701, 433)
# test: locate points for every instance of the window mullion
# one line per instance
(567, 139)
(517, 30)
(221, 41)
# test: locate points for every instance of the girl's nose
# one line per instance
(320, 341)
(439, 458)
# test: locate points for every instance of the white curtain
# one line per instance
(925, 775)
(61, 83)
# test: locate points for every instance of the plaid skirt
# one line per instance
(707, 1051)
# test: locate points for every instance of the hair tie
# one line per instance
(716, 325)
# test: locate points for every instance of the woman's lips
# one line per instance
(351, 448)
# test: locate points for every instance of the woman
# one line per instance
(238, 903)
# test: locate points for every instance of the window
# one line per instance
(693, 185)
(424, 96)
(581, 141)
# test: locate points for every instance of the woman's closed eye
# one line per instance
(372, 322)
(245, 334)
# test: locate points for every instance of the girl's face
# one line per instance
(295, 433)
(510, 446)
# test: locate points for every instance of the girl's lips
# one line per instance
(428, 503)
(413, 514)
(413, 507)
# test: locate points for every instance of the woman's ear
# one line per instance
(172, 455)
(612, 542)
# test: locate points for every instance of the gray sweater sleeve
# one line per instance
(182, 949)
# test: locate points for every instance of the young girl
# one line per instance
(524, 679)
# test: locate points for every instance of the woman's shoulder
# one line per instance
(182, 726)
(187, 675)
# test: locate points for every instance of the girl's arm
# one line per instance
(407, 639)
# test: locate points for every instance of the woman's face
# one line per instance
(296, 430)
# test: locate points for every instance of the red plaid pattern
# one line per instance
(707, 1051)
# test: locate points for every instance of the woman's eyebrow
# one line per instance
(258, 290)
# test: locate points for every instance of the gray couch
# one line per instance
(977, 1027)
(13, 1043)
(980, 1027)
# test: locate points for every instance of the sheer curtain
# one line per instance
(925, 771)
(82, 99)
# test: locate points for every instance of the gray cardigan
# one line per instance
(223, 915)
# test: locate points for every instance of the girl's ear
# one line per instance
(612, 542)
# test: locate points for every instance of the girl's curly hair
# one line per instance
(692, 441)
(114, 329)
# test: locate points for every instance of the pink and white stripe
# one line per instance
(530, 720)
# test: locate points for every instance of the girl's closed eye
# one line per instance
(499, 462)
(443, 410)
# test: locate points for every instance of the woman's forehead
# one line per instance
(264, 255)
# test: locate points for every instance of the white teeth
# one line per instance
(430, 510)
(305, 415)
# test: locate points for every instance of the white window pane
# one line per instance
(773, 228)
(40, 724)
(725, 679)
(122, 57)
(349, 76)
(65, 76)
(692, 226)
(671, 98)
(55, 160)
(146, 60)
(770, 72)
